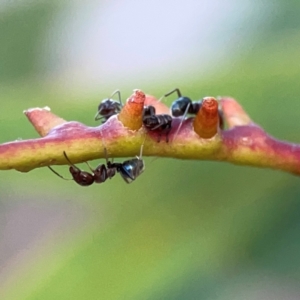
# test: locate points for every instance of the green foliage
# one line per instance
(21, 30)
(183, 230)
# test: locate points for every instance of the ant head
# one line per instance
(131, 169)
(180, 105)
(109, 107)
(149, 111)
(105, 104)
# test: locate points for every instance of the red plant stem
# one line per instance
(244, 143)
(247, 145)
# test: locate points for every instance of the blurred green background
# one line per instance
(184, 229)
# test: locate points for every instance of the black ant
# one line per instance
(161, 123)
(109, 107)
(184, 105)
(129, 171)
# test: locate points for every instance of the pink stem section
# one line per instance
(250, 145)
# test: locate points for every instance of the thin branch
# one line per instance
(244, 142)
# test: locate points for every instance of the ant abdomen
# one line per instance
(148, 111)
(83, 178)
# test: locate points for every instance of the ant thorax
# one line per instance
(131, 169)
(161, 123)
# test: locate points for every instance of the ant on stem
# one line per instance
(109, 107)
(129, 170)
(184, 105)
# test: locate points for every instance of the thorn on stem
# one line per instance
(43, 119)
(206, 122)
(131, 115)
(234, 113)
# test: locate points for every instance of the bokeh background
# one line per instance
(184, 229)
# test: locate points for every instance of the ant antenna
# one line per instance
(103, 142)
(170, 93)
(173, 91)
(119, 96)
(160, 99)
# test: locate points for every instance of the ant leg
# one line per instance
(159, 137)
(97, 116)
(106, 157)
(59, 174)
(221, 119)
(91, 169)
(156, 127)
(138, 171)
(141, 150)
(167, 130)
(104, 148)
(70, 163)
